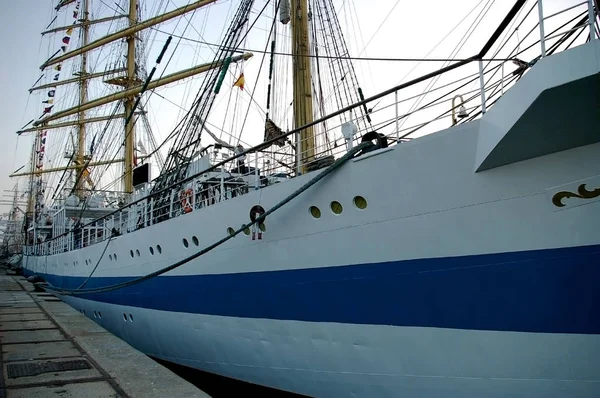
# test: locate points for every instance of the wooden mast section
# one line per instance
(171, 78)
(129, 103)
(83, 84)
(128, 32)
(302, 81)
(58, 169)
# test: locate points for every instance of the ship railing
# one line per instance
(590, 19)
(477, 82)
(77, 238)
(400, 119)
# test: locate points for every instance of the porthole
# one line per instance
(230, 231)
(262, 227)
(360, 202)
(125, 317)
(95, 314)
(110, 257)
(99, 315)
(185, 242)
(131, 253)
(151, 250)
(336, 207)
(247, 231)
(195, 240)
(159, 249)
(315, 211)
(115, 256)
(131, 317)
(137, 252)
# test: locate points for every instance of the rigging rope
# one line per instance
(289, 54)
(239, 138)
(75, 292)
(187, 140)
(97, 264)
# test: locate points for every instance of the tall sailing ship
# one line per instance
(349, 252)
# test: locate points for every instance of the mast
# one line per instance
(80, 160)
(129, 103)
(303, 106)
(30, 197)
(131, 84)
(29, 219)
(132, 29)
(136, 89)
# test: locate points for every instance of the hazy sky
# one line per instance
(392, 28)
(20, 26)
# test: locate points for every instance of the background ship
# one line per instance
(340, 257)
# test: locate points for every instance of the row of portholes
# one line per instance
(186, 244)
(87, 261)
(230, 231)
(336, 207)
(113, 257)
(158, 250)
(138, 254)
(247, 232)
(98, 315)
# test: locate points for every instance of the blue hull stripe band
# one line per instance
(546, 291)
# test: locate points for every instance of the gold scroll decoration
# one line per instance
(582, 193)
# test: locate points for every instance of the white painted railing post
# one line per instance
(298, 154)
(222, 184)
(592, 20)
(397, 121)
(482, 84)
(542, 34)
(256, 177)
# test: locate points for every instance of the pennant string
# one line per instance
(65, 41)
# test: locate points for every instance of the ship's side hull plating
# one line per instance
(449, 282)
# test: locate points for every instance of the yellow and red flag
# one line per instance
(240, 82)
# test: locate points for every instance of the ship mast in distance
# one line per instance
(130, 82)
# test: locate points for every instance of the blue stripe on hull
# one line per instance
(548, 291)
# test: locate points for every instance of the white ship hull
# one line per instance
(450, 283)
(325, 359)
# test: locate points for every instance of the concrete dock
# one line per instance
(48, 349)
